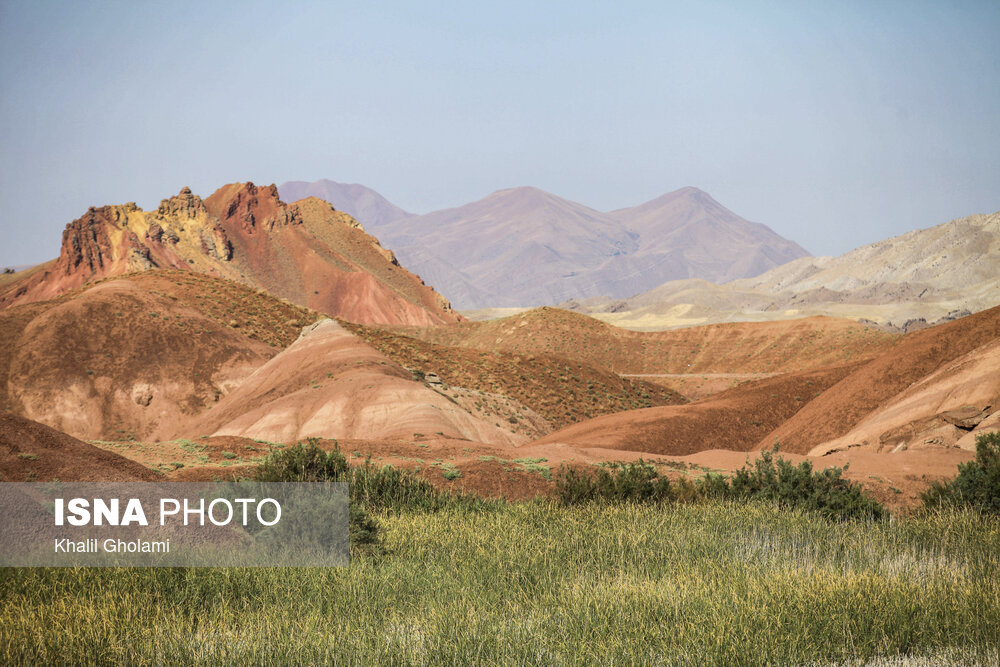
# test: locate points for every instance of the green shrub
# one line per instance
(628, 482)
(311, 463)
(713, 485)
(977, 485)
(392, 489)
(303, 464)
(788, 485)
(771, 479)
(372, 488)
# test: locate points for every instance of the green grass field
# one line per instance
(535, 583)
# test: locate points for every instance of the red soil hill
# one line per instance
(918, 355)
(33, 452)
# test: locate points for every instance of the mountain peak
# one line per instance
(307, 252)
(522, 192)
(184, 205)
(252, 207)
(688, 193)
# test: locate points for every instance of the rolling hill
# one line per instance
(932, 391)
(34, 452)
(136, 356)
(165, 354)
(330, 384)
(746, 348)
(559, 389)
(902, 395)
(734, 419)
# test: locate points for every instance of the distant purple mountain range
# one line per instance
(526, 247)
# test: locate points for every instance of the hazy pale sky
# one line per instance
(835, 123)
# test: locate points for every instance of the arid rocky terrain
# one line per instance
(305, 252)
(903, 283)
(191, 341)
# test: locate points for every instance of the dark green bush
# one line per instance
(827, 492)
(393, 489)
(303, 464)
(628, 482)
(310, 463)
(372, 488)
(977, 485)
(770, 479)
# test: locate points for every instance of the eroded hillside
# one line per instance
(306, 252)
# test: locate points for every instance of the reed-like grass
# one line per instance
(534, 583)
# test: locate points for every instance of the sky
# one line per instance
(835, 123)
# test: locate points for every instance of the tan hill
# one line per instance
(330, 384)
(33, 452)
(935, 389)
(363, 204)
(901, 420)
(532, 248)
(129, 358)
(306, 252)
(901, 396)
(742, 348)
(946, 408)
(558, 389)
(925, 274)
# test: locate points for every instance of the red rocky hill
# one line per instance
(306, 252)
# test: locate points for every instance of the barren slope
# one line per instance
(530, 247)
(926, 274)
(687, 234)
(946, 408)
(117, 361)
(733, 419)
(535, 248)
(559, 389)
(882, 380)
(330, 384)
(765, 347)
(33, 452)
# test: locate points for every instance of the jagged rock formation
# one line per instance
(306, 252)
(251, 207)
